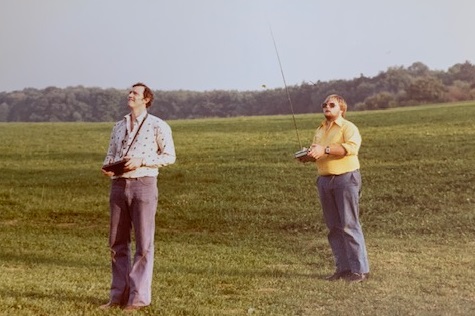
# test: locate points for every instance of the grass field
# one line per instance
(239, 226)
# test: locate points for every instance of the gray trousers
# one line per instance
(339, 197)
(133, 204)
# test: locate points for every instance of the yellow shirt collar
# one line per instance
(338, 121)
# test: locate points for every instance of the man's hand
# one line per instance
(316, 151)
(133, 163)
(107, 173)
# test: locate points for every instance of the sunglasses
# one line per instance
(331, 105)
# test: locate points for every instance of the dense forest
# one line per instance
(395, 87)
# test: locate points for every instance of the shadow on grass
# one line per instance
(26, 259)
(60, 296)
(257, 273)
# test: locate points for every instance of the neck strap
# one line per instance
(135, 136)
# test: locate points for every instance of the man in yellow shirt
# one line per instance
(335, 150)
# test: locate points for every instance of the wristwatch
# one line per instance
(327, 150)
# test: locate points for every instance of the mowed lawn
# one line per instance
(239, 226)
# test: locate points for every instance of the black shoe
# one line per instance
(338, 275)
(357, 277)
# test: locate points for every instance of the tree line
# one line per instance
(395, 87)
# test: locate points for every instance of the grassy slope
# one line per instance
(239, 225)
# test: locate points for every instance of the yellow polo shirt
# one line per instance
(342, 132)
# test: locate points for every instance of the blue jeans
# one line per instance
(133, 204)
(339, 197)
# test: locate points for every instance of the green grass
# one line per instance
(239, 226)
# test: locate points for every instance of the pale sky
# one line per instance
(224, 44)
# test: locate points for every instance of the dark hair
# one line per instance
(147, 93)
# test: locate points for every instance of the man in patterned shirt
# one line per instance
(145, 143)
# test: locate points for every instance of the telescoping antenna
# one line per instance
(286, 88)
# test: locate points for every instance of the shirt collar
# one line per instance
(338, 121)
(142, 116)
(139, 119)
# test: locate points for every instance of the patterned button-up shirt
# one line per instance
(154, 143)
